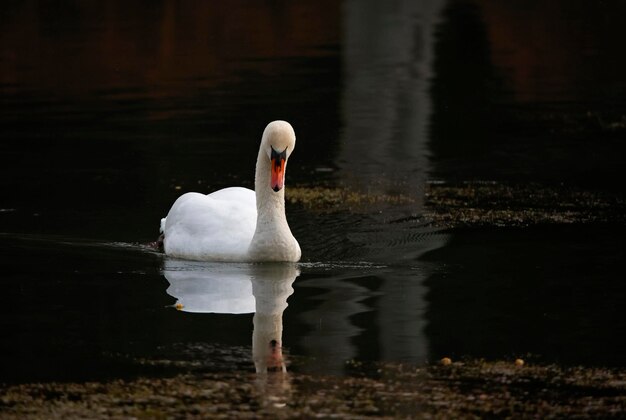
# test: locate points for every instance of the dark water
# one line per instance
(109, 111)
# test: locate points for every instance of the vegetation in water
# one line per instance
(445, 390)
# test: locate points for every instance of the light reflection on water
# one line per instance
(261, 289)
(339, 294)
(388, 55)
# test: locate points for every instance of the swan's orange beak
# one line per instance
(278, 169)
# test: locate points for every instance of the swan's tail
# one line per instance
(159, 242)
(162, 227)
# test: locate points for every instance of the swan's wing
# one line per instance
(217, 226)
(240, 195)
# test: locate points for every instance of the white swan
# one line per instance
(238, 224)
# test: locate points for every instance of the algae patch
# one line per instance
(473, 388)
(496, 204)
(327, 199)
(476, 203)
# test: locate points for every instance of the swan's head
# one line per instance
(278, 142)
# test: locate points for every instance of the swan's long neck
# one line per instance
(272, 240)
(270, 205)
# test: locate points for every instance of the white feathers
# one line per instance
(236, 224)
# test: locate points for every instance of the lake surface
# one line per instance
(108, 112)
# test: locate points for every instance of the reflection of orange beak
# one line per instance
(275, 356)
(278, 169)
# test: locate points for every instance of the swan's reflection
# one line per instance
(238, 289)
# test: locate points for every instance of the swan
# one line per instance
(237, 224)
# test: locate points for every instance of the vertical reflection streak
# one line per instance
(387, 59)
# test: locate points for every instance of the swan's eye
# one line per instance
(278, 155)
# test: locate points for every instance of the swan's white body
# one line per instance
(238, 224)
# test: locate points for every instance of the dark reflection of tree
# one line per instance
(464, 88)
